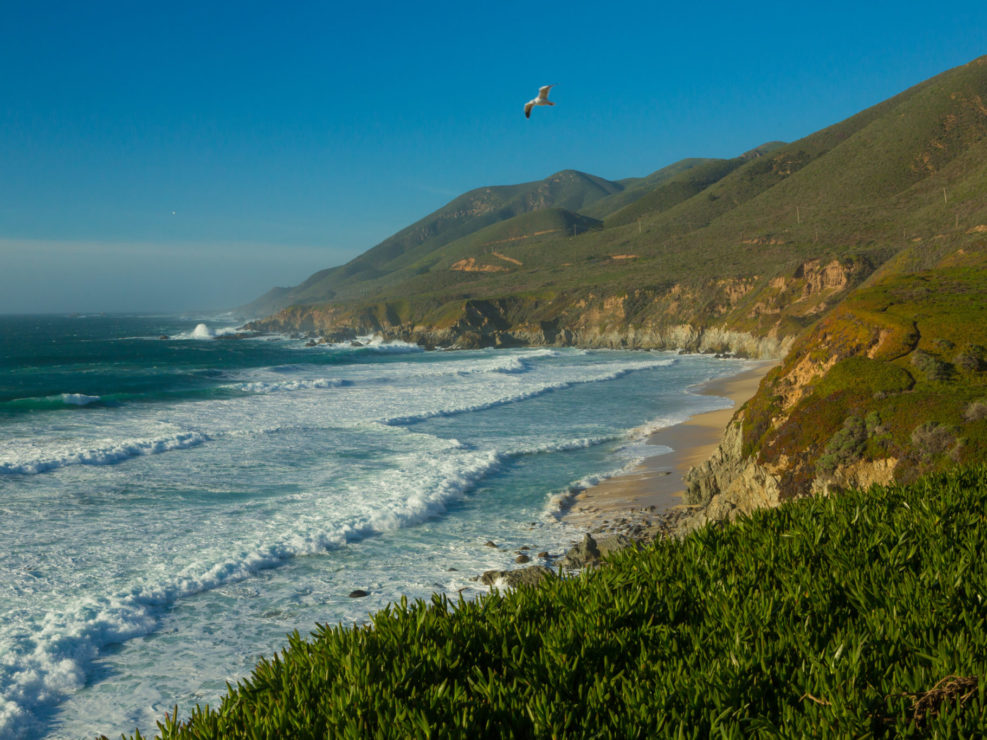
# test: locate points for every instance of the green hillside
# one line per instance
(481, 251)
(674, 190)
(638, 187)
(462, 216)
(594, 198)
(910, 168)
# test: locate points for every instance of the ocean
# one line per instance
(173, 503)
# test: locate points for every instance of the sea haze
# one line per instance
(173, 503)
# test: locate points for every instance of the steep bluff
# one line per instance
(747, 316)
(889, 386)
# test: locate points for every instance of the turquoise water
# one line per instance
(172, 508)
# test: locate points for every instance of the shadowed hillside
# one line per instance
(569, 190)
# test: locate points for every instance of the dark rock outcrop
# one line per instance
(530, 576)
(591, 551)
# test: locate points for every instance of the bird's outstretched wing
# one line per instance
(527, 109)
(543, 91)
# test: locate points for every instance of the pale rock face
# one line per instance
(861, 474)
(831, 277)
(797, 382)
(728, 484)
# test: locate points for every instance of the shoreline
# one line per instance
(655, 487)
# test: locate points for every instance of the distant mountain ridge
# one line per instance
(569, 190)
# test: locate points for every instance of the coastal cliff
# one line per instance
(749, 317)
(890, 386)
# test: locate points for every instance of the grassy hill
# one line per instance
(568, 190)
(674, 190)
(860, 191)
(638, 187)
(469, 212)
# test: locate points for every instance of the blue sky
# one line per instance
(191, 155)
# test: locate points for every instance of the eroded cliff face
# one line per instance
(746, 316)
(770, 451)
(730, 483)
(890, 385)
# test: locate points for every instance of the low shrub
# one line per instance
(976, 411)
(971, 361)
(932, 439)
(930, 366)
(845, 446)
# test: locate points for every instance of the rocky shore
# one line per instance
(635, 527)
(656, 499)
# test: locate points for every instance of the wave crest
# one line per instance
(108, 455)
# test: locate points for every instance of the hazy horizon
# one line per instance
(163, 159)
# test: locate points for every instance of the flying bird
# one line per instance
(542, 99)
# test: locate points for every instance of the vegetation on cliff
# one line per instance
(854, 616)
(893, 380)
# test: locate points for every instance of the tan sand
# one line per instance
(657, 481)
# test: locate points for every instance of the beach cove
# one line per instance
(657, 484)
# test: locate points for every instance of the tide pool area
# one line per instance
(174, 501)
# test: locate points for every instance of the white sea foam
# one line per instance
(377, 344)
(204, 331)
(224, 418)
(508, 365)
(559, 502)
(40, 668)
(525, 363)
(464, 365)
(78, 399)
(106, 455)
(201, 331)
(293, 385)
(525, 394)
(565, 445)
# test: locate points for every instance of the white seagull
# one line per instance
(542, 99)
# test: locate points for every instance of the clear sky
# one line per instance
(180, 155)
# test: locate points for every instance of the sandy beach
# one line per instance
(658, 480)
